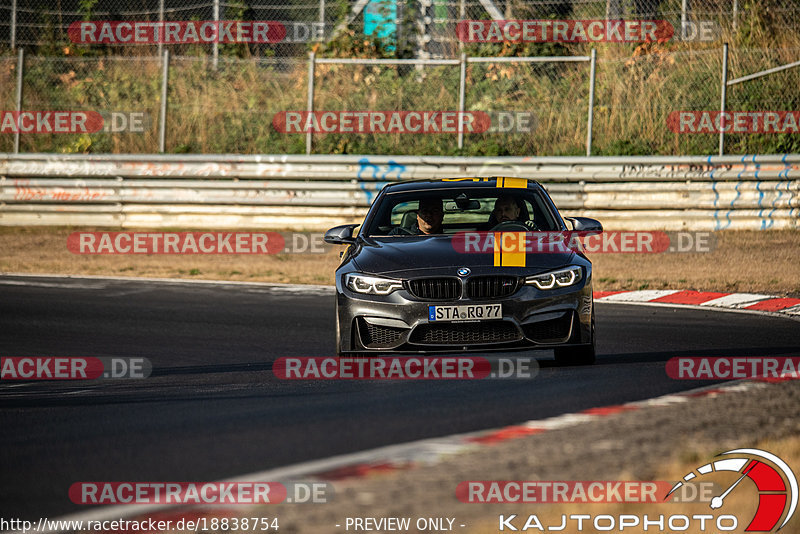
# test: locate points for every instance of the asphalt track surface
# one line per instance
(213, 408)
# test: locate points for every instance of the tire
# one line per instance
(577, 355)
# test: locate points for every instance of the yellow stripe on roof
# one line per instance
(515, 183)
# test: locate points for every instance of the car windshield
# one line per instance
(448, 212)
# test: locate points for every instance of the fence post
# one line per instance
(462, 13)
(322, 14)
(310, 104)
(20, 66)
(162, 116)
(462, 85)
(684, 8)
(161, 20)
(590, 118)
(723, 97)
(216, 41)
(13, 29)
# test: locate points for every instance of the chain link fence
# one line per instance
(226, 102)
(45, 26)
(425, 27)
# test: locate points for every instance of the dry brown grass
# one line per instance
(745, 261)
(44, 250)
(765, 262)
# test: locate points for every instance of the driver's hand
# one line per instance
(531, 225)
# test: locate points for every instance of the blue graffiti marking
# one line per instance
(378, 183)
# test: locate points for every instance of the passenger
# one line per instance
(429, 219)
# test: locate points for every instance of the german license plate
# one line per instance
(470, 312)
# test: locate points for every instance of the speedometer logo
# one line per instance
(776, 484)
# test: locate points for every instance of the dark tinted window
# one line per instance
(464, 210)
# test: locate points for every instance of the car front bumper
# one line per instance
(531, 319)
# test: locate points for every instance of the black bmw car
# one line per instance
(448, 266)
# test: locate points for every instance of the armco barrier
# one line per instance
(316, 192)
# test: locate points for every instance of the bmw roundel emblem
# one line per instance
(463, 271)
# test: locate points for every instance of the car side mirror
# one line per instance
(585, 224)
(341, 235)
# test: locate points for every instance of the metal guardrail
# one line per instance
(316, 192)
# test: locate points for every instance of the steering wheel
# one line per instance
(405, 230)
(513, 226)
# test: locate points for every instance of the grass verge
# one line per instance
(744, 261)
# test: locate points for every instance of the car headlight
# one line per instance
(560, 278)
(372, 285)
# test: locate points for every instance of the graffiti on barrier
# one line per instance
(374, 181)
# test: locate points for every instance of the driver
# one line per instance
(507, 208)
(429, 219)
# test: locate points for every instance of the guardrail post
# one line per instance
(462, 85)
(20, 67)
(590, 119)
(723, 97)
(310, 103)
(162, 116)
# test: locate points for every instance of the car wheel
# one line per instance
(577, 355)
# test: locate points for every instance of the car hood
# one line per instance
(409, 256)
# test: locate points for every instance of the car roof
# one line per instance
(462, 183)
